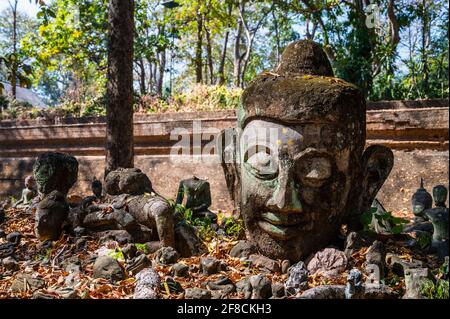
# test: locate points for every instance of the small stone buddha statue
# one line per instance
(420, 201)
(28, 193)
(198, 197)
(439, 217)
(298, 167)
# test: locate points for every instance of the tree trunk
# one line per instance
(198, 49)
(14, 62)
(425, 43)
(221, 71)
(142, 77)
(210, 57)
(119, 109)
(237, 55)
(162, 67)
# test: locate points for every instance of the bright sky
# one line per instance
(26, 6)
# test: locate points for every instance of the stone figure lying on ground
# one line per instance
(131, 210)
(296, 164)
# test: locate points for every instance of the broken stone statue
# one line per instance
(420, 201)
(296, 164)
(198, 197)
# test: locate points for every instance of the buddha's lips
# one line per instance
(283, 225)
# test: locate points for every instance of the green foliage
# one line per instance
(202, 225)
(143, 248)
(386, 220)
(234, 227)
(116, 254)
(438, 290)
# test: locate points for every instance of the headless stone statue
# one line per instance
(198, 197)
(439, 216)
(420, 201)
(28, 193)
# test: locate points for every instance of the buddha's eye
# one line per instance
(314, 171)
(261, 163)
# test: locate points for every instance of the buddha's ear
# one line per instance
(228, 150)
(378, 161)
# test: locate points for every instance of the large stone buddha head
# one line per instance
(296, 166)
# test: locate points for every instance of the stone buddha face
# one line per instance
(300, 168)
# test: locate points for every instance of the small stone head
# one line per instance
(421, 200)
(440, 195)
(30, 182)
(300, 169)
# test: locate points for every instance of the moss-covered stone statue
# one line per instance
(298, 168)
(198, 197)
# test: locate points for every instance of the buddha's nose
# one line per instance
(285, 196)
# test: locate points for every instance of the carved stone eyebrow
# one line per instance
(312, 152)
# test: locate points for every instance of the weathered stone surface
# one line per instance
(174, 286)
(137, 264)
(129, 251)
(357, 240)
(147, 284)
(376, 291)
(55, 171)
(167, 256)
(108, 268)
(278, 290)
(261, 287)
(243, 248)
(26, 282)
(222, 284)
(324, 292)
(354, 288)
(65, 292)
(297, 278)
(198, 197)
(153, 246)
(376, 255)
(209, 265)
(121, 236)
(2, 233)
(6, 250)
(243, 286)
(260, 261)
(127, 181)
(187, 242)
(50, 215)
(414, 278)
(72, 264)
(291, 199)
(14, 238)
(399, 266)
(197, 293)
(10, 264)
(328, 262)
(285, 264)
(180, 270)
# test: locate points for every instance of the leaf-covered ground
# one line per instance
(45, 263)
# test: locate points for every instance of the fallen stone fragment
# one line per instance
(26, 282)
(108, 268)
(375, 258)
(2, 233)
(42, 295)
(414, 279)
(65, 292)
(356, 240)
(243, 286)
(153, 246)
(261, 287)
(242, 249)
(209, 265)
(297, 278)
(50, 215)
(129, 251)
(328, 262)
(378, 291)
(278, 290)
(223, 283)
(187, 242)
(324, 292)
(121, 236)
(180, 270)
(6, 250)
(72, 264)
(173, 285)
(14, 238)
(127, 181)
(399, 265)
(426, 226)
(285, 264)
(354, 288)
(197, 293)
(260, 261)
(147, 284)
(166, 256)
(10, 264)
(137, 264)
